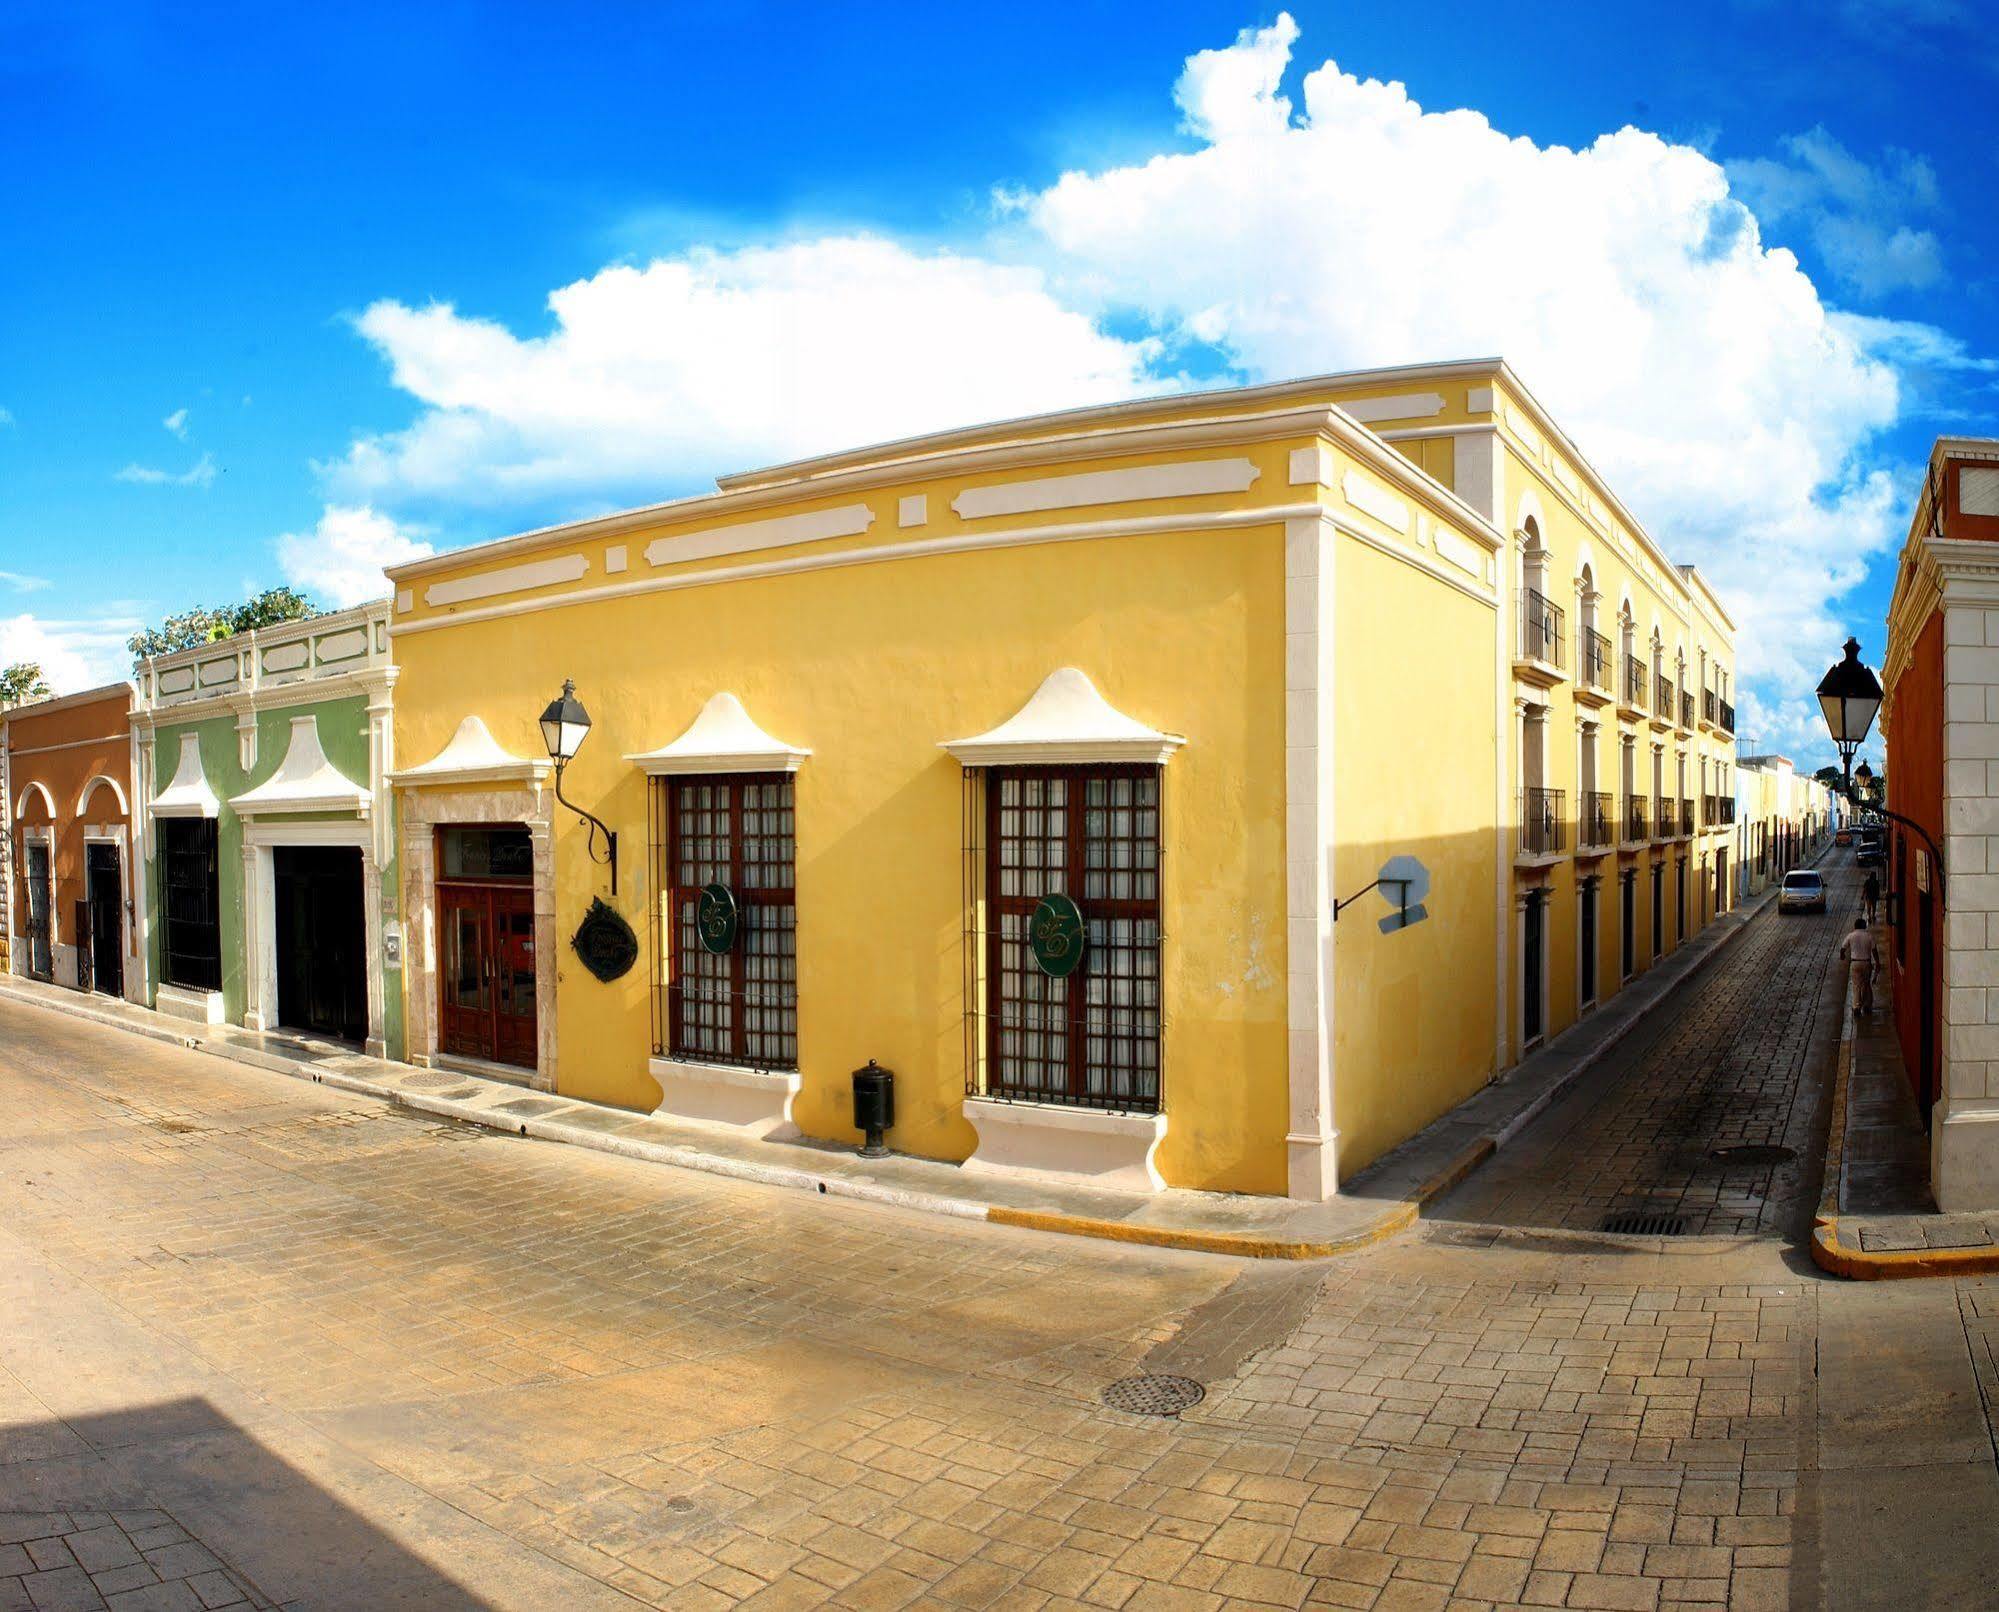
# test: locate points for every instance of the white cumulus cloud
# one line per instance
(340, 561)
(652, 377)
(200, 474)
(176, 423)
(1853, 212)
(73, 655)
(1698, 368)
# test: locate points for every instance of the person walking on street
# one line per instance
(1858, 951)
(1870, 892)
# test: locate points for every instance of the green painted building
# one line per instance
(270, 889)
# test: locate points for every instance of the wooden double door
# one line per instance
(486, 978)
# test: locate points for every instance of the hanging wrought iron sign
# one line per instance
(1056, 934)
(605, 942)
(716, 918)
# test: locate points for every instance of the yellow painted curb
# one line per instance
(1860, 1265)
(1396, 1217)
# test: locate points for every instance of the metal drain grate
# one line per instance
(1154, 1396)
(1645, 1223)
(1756, 1154)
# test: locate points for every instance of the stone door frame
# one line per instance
(423, 812)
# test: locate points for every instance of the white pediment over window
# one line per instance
(474, 756)
(723, 738)
(305, 780)
(188, 795)
(1066, 723)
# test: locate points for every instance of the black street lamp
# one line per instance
(564, 727)
(1849, 695)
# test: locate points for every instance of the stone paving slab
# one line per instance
(1381, 1201)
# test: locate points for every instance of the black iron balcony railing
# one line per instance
(1634, 819)
(1599, 813)
(1686, 709)
(1665, 702)
(1540, 821)
(1596, 659)
(1727, 804)
(1541, 636)
(1707, 705)
(1687, 824)
(1666, 818)
(1727, 718)
(1634, 681)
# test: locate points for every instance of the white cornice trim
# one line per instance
(723, 738)
(104, 780)
(35, 786)
(809, 526)
(509, 579)
(64, 702)
(189, 794)
(969, 542)
(372, 681)
(473, 756)
(1180, 478)
(1066, 722)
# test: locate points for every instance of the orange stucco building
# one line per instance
(70, 886)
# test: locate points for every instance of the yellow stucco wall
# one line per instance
(870, 667)
(1413, 1010)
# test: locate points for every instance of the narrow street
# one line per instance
(268, 1345)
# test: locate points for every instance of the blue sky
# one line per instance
(278, 290)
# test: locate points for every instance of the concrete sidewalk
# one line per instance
(1382, 1200)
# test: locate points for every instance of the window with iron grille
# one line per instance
(737, 1005)
(1090, 1038)
(191, 934)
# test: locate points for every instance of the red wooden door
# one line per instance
(513, 977)
(486, 984)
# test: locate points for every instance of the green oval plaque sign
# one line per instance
(1056, 934)
(715, 918)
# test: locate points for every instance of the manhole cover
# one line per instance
(1154, 1396)
(1645, 1223)
(1759, 1154)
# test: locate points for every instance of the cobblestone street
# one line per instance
(268, 1345)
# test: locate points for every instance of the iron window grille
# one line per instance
(740, 1005)
(1596, 659)
(1664, 695)
(1634, 819)
(1091, 1039)
(1597, 815)
(1540, 628)
(1540, 821)
(1634, 682)
(191, 932)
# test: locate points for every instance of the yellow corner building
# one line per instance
(1032, 760)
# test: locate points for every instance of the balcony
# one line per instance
(1541, 825)
(1540, 655)
(1687, 823)
(1668, 819)
(1595, 824)
(1595, 667)
(1665, 701)
(1726, 803)
(1707, 706)
(1686, 712)
(1633, 703)
(1727, 717)
(1635, 830)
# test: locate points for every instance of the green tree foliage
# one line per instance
(205, 626)
(22, 683)
(1829, 776)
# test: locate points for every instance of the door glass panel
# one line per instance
(465, 960)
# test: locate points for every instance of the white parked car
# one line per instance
(1804, 891)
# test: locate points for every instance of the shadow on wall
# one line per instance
(190, 1493)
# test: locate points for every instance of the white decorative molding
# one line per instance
(473, 756)
(405, 601)
(1053, 1142)
(616, 559)
(1478, 400)
(287, 657)
(1406, 406)
(339, 646)
(1313, 466)
(1066, 722)
(1466, 555)
(305, 780)
(34, 786)
(103, 780)
(1369, 499)
(1310, 574)
(508, 579)
(1186, 479)
(260, 914)
(755, 1103)
(188, 795)
(723, 738)
(814, 526)
(1977, 490)
(913, 510)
